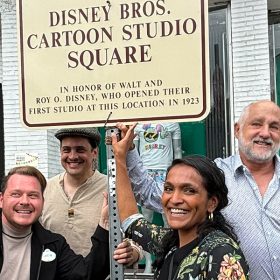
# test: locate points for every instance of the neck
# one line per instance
(262, 172)
(76, 181)
(186, 237)
(258, 167)
(14, 231)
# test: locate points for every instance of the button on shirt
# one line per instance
(256, 219)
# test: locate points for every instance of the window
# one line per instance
(274, 49)
(218, 125)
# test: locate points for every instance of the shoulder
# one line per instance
(223, 252)
(218, 239)
(53, 185)
(171, 126)
(55, 180)
(46, 236)
(216, 253)
(277, 165)
(98, 181)
(99, 177)
(226, 163)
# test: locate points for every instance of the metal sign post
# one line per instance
(116, 269)
(115, 233)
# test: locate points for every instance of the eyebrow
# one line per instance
(73, 147)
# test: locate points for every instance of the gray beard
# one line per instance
(263, 157)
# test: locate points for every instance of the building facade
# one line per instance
(244, 67)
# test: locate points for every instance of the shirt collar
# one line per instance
(277, 166)
(86, 183)
(238, 165)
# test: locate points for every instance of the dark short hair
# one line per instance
(25, 170)
(90, 133)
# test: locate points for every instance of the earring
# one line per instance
(210, 216)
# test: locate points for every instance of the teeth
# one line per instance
(23, 211)
(178, 211)
(262, 143)
(73, 163)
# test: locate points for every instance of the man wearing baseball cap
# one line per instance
(73, 199)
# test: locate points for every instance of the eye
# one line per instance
(275, 127)
(81, 150)
(34, 195)
(15, 194)
(168, 188)
(66, 150)
(189, 190)
(256, 124)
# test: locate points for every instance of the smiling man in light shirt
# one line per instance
(73, 198)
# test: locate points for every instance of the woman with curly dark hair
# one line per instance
(200, 244)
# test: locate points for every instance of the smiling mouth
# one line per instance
(263, 143)
(177, 211)
(25, 212)
(74, 163)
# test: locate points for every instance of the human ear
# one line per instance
(1, 199)
(236, 130)
(95, 152)
(212, 204)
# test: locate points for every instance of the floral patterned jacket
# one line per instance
(216, 257)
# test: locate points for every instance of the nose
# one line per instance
(24, 200)
(176, 197)
(72, 154)
(264, 131)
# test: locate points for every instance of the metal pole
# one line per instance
(116, 269)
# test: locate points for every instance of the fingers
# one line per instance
(125, 128)
(122, 127)
(125, 258)
(105, 199)
(114, 138)
(104, 218)
(124, 244)
(124, 252)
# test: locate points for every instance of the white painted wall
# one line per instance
(17, 138)
(250, 52)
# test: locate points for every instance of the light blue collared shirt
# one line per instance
(255, 218)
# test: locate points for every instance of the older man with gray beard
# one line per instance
(252, 177)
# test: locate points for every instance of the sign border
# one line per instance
(150, 119)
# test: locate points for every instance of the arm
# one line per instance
(130, 248)
(176, 142)
(126, 253)
(177, 148)
(147, 192)
(126, 201)
(136, 142)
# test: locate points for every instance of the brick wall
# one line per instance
(17, 138)
(250, 56)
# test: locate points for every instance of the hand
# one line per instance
(104, 219)
(126, 143)
(126, 253)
